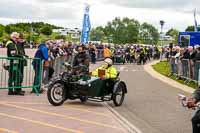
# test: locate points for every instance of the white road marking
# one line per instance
(124, 122)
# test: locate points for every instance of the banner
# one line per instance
(195, 22)
(86, 26)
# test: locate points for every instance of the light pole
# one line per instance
(162, 22)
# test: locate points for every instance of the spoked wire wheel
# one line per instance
(119, 94)
(56, 94)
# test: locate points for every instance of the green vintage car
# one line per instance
(85, 87)
(119, 58)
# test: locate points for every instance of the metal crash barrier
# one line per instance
(99, 55)
(57, 64)
(187, 72)
(187, 69)
(16, 73)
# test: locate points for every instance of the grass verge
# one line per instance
(163, 68)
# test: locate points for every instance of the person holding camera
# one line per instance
(191, 103)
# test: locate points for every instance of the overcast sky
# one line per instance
(69, 13)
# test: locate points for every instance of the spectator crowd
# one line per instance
(184, 62)
(53, 53)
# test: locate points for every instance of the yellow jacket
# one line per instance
(110, 72)
(131, 52)
(112, 52)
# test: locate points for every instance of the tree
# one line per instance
(97, 34)
(1, 32)
(46, 30)
(148, 34)
(8, 29)
(122, 31)
(31, 37)
(191, 29)
(60, 37)
(173, 33)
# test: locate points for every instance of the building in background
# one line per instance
(166, 38)
(74, 33)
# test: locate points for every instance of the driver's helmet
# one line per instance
(108, 61)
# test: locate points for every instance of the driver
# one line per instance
(82, 59)
(196, 118)
(110, 71)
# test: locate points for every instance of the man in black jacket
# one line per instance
(16, 53)
(82, 58)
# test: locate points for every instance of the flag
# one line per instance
(195, 22)
(86, 26)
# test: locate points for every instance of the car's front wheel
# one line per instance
(56, 93)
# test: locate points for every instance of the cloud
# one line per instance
(53, 1)
(170, 4)
(69, 13)
(12, 9)
(36, 10)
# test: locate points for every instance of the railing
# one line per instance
(17, 73)
(99, 55)
(186, 69)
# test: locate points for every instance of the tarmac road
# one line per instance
(152, 105)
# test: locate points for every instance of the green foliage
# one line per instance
(46, 30)
(173, 33)
(36, 26)
(31, 37)
(1, 32)
(97, 34)
(148, 34)
(68, 38)
(28, 27)
(191, 28)
(163, 42)
(41, 38)
(32, 31)
(122, 31)
(8, 29)
(60, 37)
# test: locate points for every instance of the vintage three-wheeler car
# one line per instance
(119, 57)
(85, 87)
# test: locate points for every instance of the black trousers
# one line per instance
(196, 122)
(142, 59)
(15, 78)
